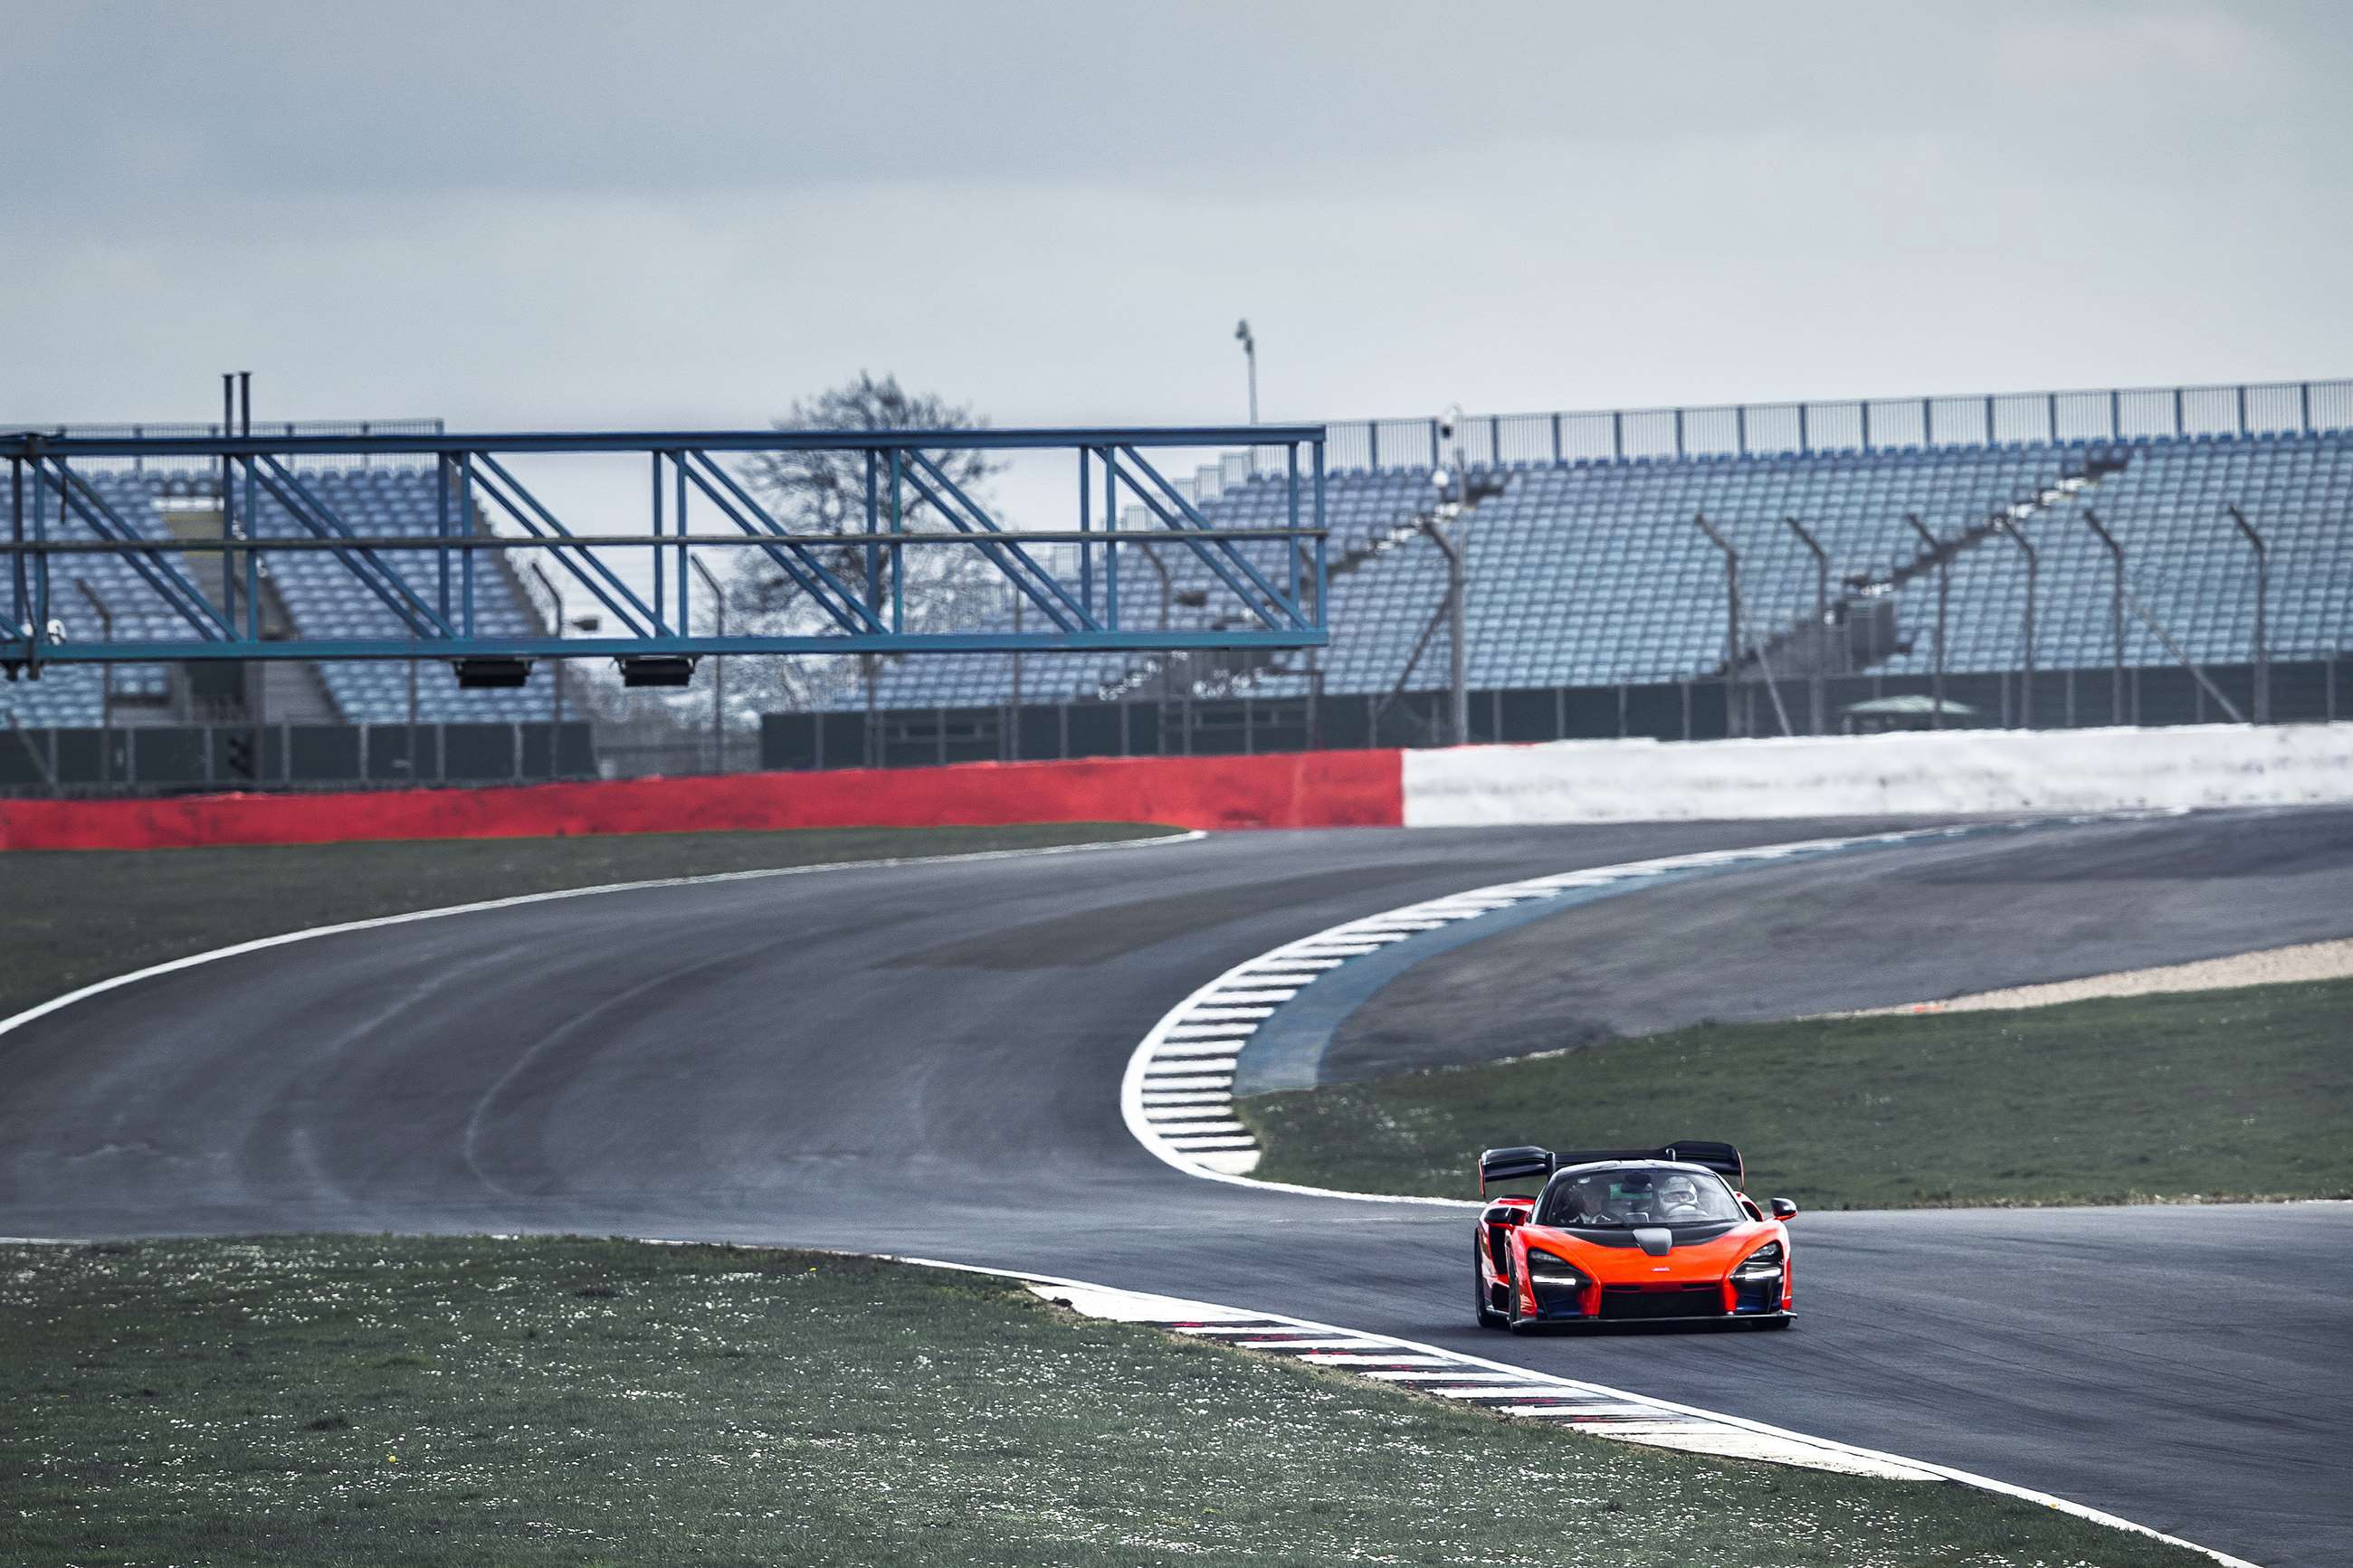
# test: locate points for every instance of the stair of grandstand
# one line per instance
(306, 590)
(2183, 558)
(1859, 629)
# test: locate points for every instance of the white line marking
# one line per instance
(235, 950)
(1673, 1426)
(1680, 1426)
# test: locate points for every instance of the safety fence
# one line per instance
(197, 758)
(139, 464)
(1861, 425)
(1697, 710)
(200, 758)
(1947, 772)
(1857, 425)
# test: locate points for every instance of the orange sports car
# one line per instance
(1628, 1235)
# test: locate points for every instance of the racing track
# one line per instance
(926, 1059)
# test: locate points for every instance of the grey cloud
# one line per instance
(174, 103)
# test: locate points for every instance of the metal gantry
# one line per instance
(426, 580)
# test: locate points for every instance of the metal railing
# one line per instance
(1853, 425)
(854, 586)
(142, 463)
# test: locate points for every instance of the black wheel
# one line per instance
(1488, 1317)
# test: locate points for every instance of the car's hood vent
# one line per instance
(1683, 1235)
(1654, 1240)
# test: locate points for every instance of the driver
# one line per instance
(1678, 1196)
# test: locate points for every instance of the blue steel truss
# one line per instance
(428, 580)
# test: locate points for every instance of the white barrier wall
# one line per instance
(1957, 771)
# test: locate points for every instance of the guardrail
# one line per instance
(1850, 425)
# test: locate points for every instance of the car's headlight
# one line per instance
(1762, 1264)
(1551, 1268)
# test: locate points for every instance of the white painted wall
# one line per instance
(1994, 770)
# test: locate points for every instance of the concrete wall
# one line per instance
(1967, 771)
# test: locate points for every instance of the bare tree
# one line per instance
(825, 492)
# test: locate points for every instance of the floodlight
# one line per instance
(657, 670)
(481, 674)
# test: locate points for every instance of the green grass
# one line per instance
(2213, 1094)
(372, 1401)
(79, 916)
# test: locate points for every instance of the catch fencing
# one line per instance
(2314, 691)
(2109, 415)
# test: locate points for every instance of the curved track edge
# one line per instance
(1176, 1095)
(211, 955)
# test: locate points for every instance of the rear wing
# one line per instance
(1516, 1164)
(1522, 1161)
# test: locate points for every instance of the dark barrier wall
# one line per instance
(1669, 710)
(165, 758)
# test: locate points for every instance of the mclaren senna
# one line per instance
(1603, 1236)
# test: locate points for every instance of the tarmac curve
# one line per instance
(925, 1059)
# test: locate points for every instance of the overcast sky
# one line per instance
(521, 215)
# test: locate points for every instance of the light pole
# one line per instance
(2263, 673)
(1944, 598)
(1732, 716)
(718, 667)
(585, 624)
(2116, 613)
(1458, 693)
(1822, 614)
(106, 684)
(1467, 494)
(1249, 353)
(2010, 529)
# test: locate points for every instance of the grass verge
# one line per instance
(376, 1401)
(2212, 1094)
(79, 916)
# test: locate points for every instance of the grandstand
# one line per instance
(311, 592)
(1595, 603)
(1587, 570)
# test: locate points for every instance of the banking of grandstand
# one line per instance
(2129, 556)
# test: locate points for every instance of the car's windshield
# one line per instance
(1639, 1194)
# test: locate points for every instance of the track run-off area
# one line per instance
(927, 1059)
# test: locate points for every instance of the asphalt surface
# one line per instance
(1867, 931)
(925, 1059)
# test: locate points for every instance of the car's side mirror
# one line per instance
(1784, 1209)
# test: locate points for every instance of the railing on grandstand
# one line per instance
(1867, 424)
(261, 427)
